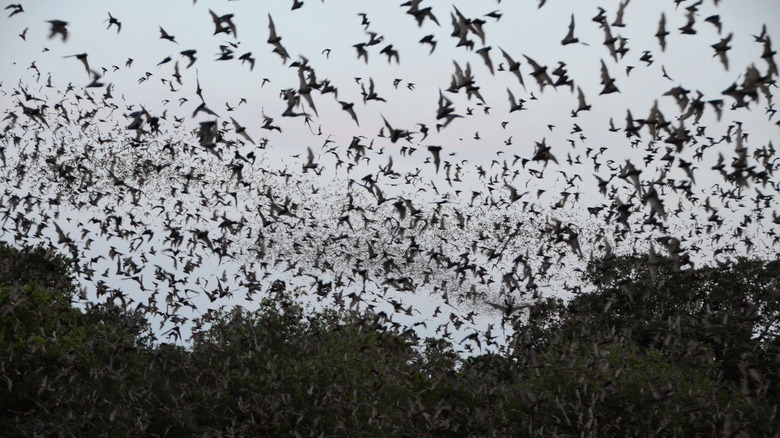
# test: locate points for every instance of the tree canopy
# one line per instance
(648, 350)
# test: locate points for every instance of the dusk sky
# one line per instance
(490, 156)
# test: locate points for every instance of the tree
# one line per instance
(61, 368)
(650, 351)
(653, 348)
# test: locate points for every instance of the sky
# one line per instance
(486, 150)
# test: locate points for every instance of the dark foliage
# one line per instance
(670, 353)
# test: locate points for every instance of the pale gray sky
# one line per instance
(522, 30)
(478, 138)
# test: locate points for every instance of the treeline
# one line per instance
(652, 351)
